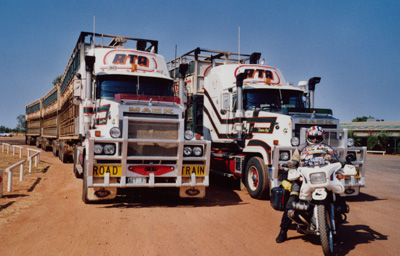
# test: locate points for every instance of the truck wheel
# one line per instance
(38, 142)
(256, 178)
(43, 145)
(54, 148)
(62, 155)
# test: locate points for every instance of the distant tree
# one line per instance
(57, 80)
(378, 141)
(362, 119)
(21, 126)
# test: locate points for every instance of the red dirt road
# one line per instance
(51, 219)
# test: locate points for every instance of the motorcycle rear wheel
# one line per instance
(325, 230)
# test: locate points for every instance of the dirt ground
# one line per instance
(44, 215)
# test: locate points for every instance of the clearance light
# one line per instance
(276, 142)
(198, 136)
(97, 133)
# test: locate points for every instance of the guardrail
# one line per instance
(31, 154)
(8, 147)
(20, 150)
(376, 152)
(9, 171)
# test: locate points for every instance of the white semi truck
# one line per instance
(116, 114)
(254, 118)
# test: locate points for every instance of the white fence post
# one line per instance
(1, 183)
(9, 170)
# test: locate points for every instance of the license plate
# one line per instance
(198, 170)
(132, 180)
(100, 170)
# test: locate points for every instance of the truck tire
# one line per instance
(37, 142)
(61, 153)
(54, 148)
(256, 178)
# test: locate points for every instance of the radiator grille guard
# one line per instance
(149, 143)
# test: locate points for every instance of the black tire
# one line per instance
(63, 157)
(37, 142)
(76, 160)
(43, 145)
(256, 178)
(325, 230)
(54, 148)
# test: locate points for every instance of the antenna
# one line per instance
(94, 26)
(239, 44)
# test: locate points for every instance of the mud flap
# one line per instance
(97, 194)
(192, 192)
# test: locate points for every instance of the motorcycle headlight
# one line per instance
(98, 149)
(197, 151)
(318, 178)
(109, 149)
(295, 141)
(115, 132)
(187, 151)
(189, 135)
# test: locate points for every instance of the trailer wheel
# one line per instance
(54, 148)
(256, 178)
(37, 142)
(62, 155)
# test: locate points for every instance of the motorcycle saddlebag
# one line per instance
(279, 198)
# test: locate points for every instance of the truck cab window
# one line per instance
(272, 100)
(109, 85)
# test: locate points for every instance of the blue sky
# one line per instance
(354, 46)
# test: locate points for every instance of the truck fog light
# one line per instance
(350, 142)
(187, 151)
(284, 156)
(109, 149)
(197, 151)
(98, 149)
(189, 135)
(295, 141)
(115, 132)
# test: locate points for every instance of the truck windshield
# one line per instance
(272, 100)
(108, 86)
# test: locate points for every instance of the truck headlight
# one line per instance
(197, 151)
(189, 135)
(295, 141)
(187, 151)
(115, 132)
(318, 178)
(109, 149)
(98, 149)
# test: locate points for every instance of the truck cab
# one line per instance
(247, 110)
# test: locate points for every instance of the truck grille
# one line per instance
(153, 130)
(152, 149)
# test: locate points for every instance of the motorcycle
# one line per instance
(320, 207)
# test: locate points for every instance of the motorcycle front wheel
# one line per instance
(325, 230)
